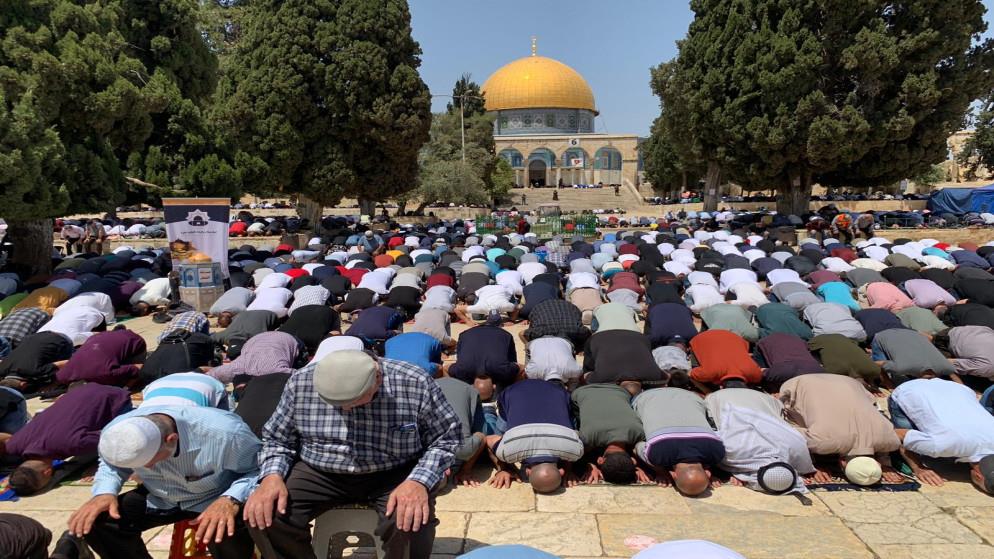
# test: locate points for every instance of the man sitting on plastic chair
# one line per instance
(366, 430)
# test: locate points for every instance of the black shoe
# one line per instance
(71, 547)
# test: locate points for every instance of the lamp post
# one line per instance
(462, 117)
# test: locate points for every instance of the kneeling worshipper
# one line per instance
(22, 537)
(179, 351)
(185, 389)
(680, 443)
(609, 430)
(112, 358)
(786, 356)
(245, 325)
(732, 318)
(354, 429)
(417, 349)
(33, 364)
(559, 318)
(612, 356)
(486, 351)
(937, 418)
(313, 323)
(838, 417)
(832, 318)
(780, 318)
(972, 348)
(539, 436)
(905, 354)
(723, 357)
(264, 354)
(69, 427)
(762, 451)
(195, 463)
(376, 324)
(552, 358)
(465, 400)
(20, 324)
(840, 355)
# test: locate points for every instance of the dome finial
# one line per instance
(534, 45)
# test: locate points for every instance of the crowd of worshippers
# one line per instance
(332, 359)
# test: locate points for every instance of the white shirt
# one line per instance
(932, 261)
(256, 227)
(703, 296)
(492, 296)
(376, 281)
(582, 280)
(440, 297)
(754, 254)
(835, 264)
(729, 278)
(868, 263)
(782, 275)
(336, 343)
(76, 323)
(911, 250)
(677, 268)
(95, 300)
(552, 358)
(271, 299)
(749, 294)
(529, 270)
(950, 421)
(754, 439)
(683, 256)
(275, 279)
(876, 253)
(512, 280)
(781, 256)
(702, 278)
(155, 292)
(470, 252)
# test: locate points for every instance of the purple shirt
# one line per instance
(70, 426)
(927, 294)
(105, 358)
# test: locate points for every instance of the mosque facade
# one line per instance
(545, 127)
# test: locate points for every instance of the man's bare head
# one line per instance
(545, 477)
(224, 319)
(691, 479)
(31, 477)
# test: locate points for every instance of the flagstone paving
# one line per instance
(955, 521)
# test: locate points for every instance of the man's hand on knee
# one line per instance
(271, 493)
(216, 521)
(409, 503)
(81, 521)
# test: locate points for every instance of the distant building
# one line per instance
(956, 172)
(544, 127)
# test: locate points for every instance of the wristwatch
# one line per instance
(233, 500)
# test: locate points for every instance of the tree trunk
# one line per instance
(711, 181)
(367, 207)
(310, 209)
(32, 240)
(795, 197)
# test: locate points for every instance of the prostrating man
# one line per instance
(312, 323)
(185, 389)
(245, 325)
(112, 358)
(937, 418)
(559, 318)
(416, 348)
(552, 358)
(465, 401)
(762, 451)
(905, 354)
(679, 442)
(840, 355)
(723, 357)
(22, 323)
(194, 463)
(837, 417)
(539, 436)
(613, 356)
(376, 324)
(354, 429)
(972, 348)
(666, 321)
(609, 430)
(69, 427)
(486, 351)
(33, 363)
(832, 318)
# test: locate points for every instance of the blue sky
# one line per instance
(612, 43)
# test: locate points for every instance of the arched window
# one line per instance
(513, 157)
(575, 158)
(607, 159)
(543, 154)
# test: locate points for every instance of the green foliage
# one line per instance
(443, 174)
(501, 179)
(978, 151)
(472, 98)
(789, 92)
(73, 96)
(664, 167)
(930, 177)
(328, 96)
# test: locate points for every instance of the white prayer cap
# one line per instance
(130, 443)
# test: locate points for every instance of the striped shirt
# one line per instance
(185, 389)
(216, 456)
(408, 419)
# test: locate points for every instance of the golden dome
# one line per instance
(537, 82)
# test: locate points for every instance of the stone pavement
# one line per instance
(955, 521)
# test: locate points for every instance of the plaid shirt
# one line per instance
(22, 323)
(190, 321)
(309, 295)
(408, 419)
(554, 317)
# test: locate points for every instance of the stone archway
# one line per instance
(537, 172)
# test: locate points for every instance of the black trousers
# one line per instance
(313, 492)
(112, 539)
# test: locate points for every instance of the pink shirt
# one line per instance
(883, 295)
